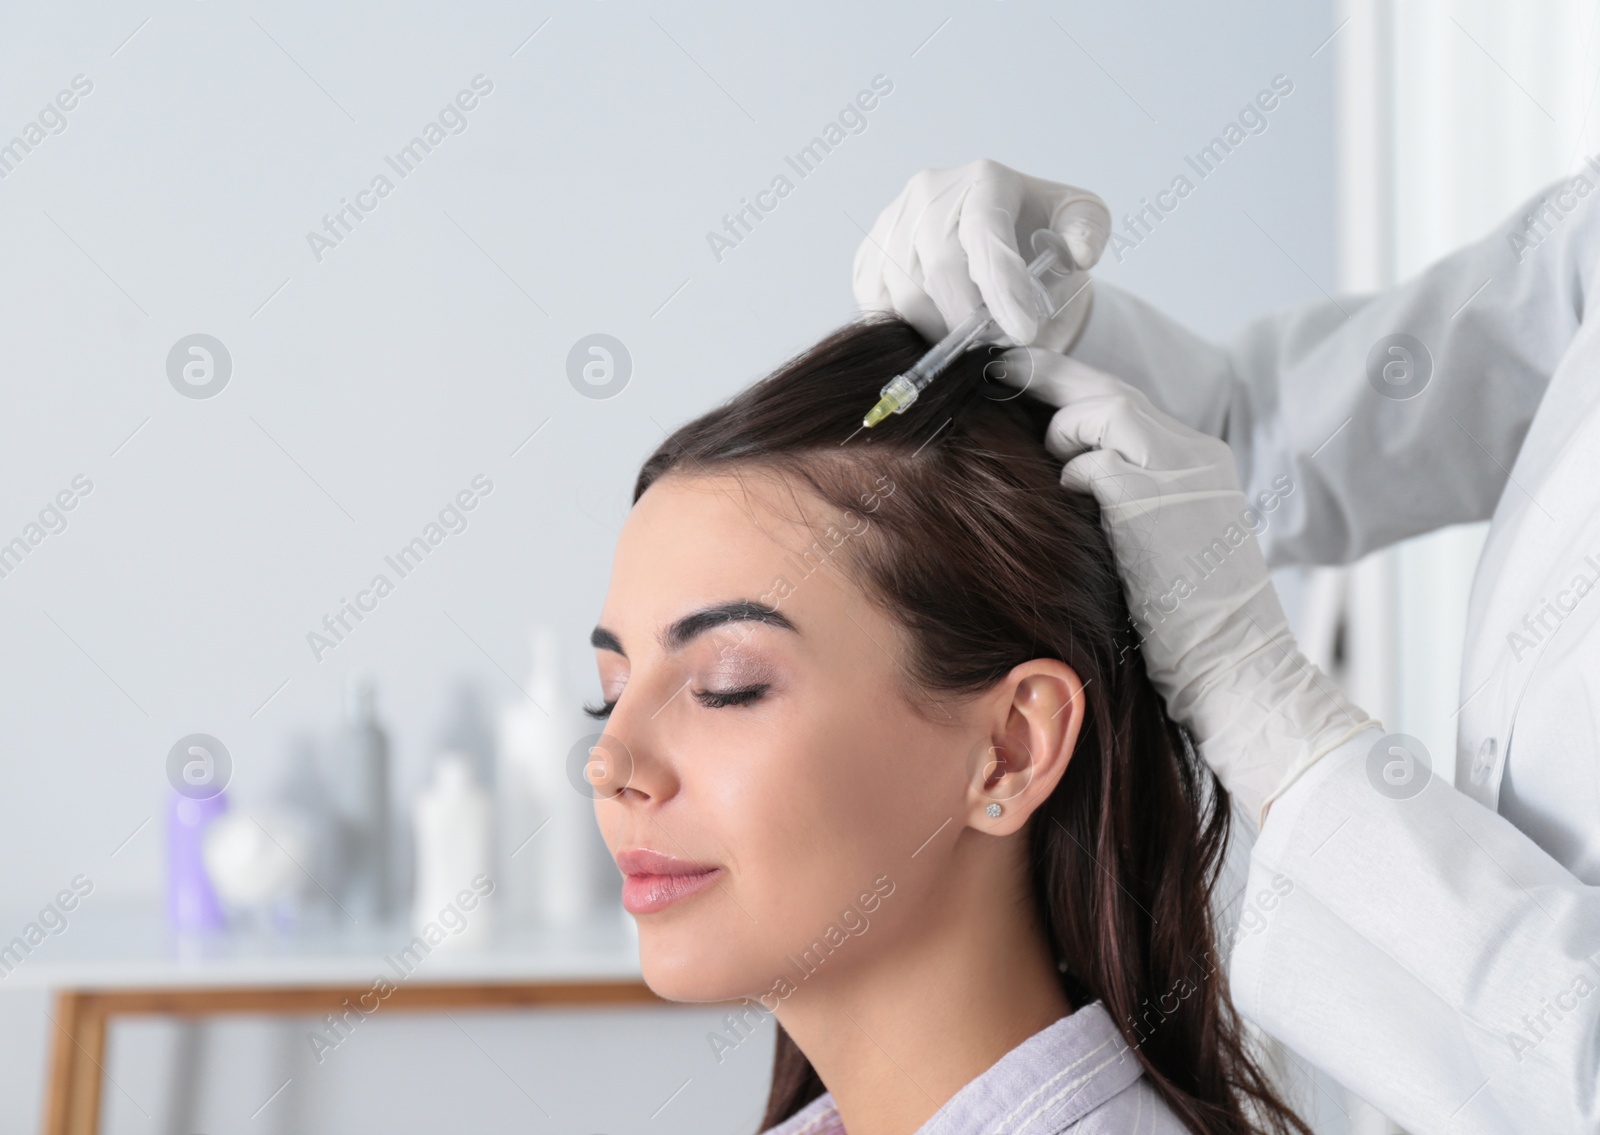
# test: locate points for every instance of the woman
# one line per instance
(881, 759)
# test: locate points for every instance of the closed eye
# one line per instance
(711, 699)
(720, 699)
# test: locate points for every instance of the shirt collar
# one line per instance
(1043, 1086)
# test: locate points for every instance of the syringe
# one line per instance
(1051, 255)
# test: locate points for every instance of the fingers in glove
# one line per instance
(911, 301)
(866, 276)
(1049, 376)
(1113, 420)
(874, 256)
(1100, 411)
(1085, 222)
(987, 228)
(887, 276)
(1113, 480)
(1126, 422)
(946, 273)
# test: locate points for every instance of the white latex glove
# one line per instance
(955, 238)
(1215, 639)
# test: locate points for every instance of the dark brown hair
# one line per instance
(988, 562)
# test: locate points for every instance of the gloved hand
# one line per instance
(955, 238)
(1215, 639)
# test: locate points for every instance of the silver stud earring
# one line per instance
(994, 811)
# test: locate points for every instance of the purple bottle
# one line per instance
(191, 899)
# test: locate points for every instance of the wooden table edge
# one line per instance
(81, 1017)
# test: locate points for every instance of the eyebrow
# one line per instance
(680, 633)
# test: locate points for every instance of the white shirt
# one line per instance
(1440, 954)
(1077, 1075)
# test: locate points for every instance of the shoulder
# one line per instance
(1139, 1107)
(819, 1117)
(1076, 1077)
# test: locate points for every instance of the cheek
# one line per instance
(806, 805)
(832, 801)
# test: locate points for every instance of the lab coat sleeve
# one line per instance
(1425, 953)
(1294, 393)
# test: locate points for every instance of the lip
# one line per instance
(652, 881)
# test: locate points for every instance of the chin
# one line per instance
(682, 964)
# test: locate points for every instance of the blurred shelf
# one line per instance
(135, 949)
(103, 965)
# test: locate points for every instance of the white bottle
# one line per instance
(524, 734)
(455, 883)
(552, 857)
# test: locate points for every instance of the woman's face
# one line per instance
(762, 730)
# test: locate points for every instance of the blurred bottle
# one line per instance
(469, 730)
(361, 787)
(552, 859)
(525, 737)
(302, 791)
(192, 903)
(455, 886)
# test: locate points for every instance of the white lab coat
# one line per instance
(1440, 955)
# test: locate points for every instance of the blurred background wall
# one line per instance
(374, 379)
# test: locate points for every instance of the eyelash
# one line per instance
(711, 699)
(718, 699)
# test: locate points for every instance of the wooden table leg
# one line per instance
(77, 1065)
(78, 1048)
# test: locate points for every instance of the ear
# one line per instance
(1035, 715)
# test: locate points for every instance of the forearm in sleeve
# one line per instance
(1296, 393)
(1424, 952)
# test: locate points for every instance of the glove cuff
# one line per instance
(1273, 719)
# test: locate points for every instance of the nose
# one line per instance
(608, 766)
(627, 764)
